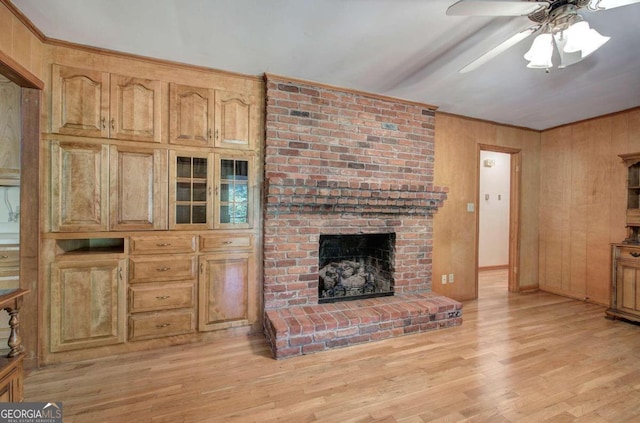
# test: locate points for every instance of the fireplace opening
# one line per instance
(355, 266)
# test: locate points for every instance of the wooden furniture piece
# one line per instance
(11, 366)
(148, 245)
(625, 286)
(625, 256)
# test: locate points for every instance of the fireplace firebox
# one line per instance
(355, 266)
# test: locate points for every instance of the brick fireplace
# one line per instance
(339, 162)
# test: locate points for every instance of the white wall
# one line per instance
(493, 242)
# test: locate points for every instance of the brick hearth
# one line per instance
(302, 330)
(338, 163)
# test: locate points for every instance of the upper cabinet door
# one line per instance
(191, 113)
(138, 189)
(79, 102)
(79, 187)
(135, 109)
(9, 132)
(235, 116)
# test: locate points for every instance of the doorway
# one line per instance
(497, 238)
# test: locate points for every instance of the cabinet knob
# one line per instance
(104, 123)
(163, 269)
(163, 297)
(209, 133)
(634, 254)
(113, 123)
(163, 325)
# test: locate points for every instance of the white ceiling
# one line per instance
(402, 48)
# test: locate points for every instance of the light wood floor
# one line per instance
(531, 357)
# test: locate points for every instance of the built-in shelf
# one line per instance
(90, 246)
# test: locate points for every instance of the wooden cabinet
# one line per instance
(9, 267)
(80, 102)
(95, 187)
(625, 287)
(87, 300)
(190, 190)
(191, 111)
(223, 291)
(79, 186)
(11, 379)
(625, 257)
(235, 119)
(632, 161)
(162, 290)
(138, 188)
(155, 178)
(234, 193)
(98, 104)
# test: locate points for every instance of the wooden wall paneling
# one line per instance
(528, 142)
(6, 21)
(598, 208)
(579, 193)
(565, 205)
(455, 229)
(551, 195)
(634, 130)
(618, 183)
(19, 43)
(30, 212)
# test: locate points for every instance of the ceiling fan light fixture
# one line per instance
(541, 51)
(579, 38)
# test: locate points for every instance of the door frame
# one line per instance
(30, 106)
(514, 213)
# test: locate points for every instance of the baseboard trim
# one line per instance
(499, 267)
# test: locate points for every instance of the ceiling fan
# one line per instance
(553, 21)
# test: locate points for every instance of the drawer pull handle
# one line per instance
(163, 325)
(227, 242)
(163, 244)
(4, 257)
(163, 269)
(634, 254)
(163, 297)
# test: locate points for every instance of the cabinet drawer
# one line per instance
(9, 257)
(162, 244)
(225, 243)
(155, 325)
(154, 297)
(164, 268)
(629, 253)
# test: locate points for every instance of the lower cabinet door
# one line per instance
(627, 289)
(223, 291)
(87, 304)
(11, 380)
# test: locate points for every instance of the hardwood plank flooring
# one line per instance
(516, 358)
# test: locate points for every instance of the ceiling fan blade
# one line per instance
(609, 4)
(504, 46)
(496, 7)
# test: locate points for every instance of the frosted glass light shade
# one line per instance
(580, 38)
(539, 55)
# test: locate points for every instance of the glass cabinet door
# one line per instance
(233, 193)
(190, 195)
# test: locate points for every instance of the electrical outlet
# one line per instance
(450, 277)
(444, 279)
